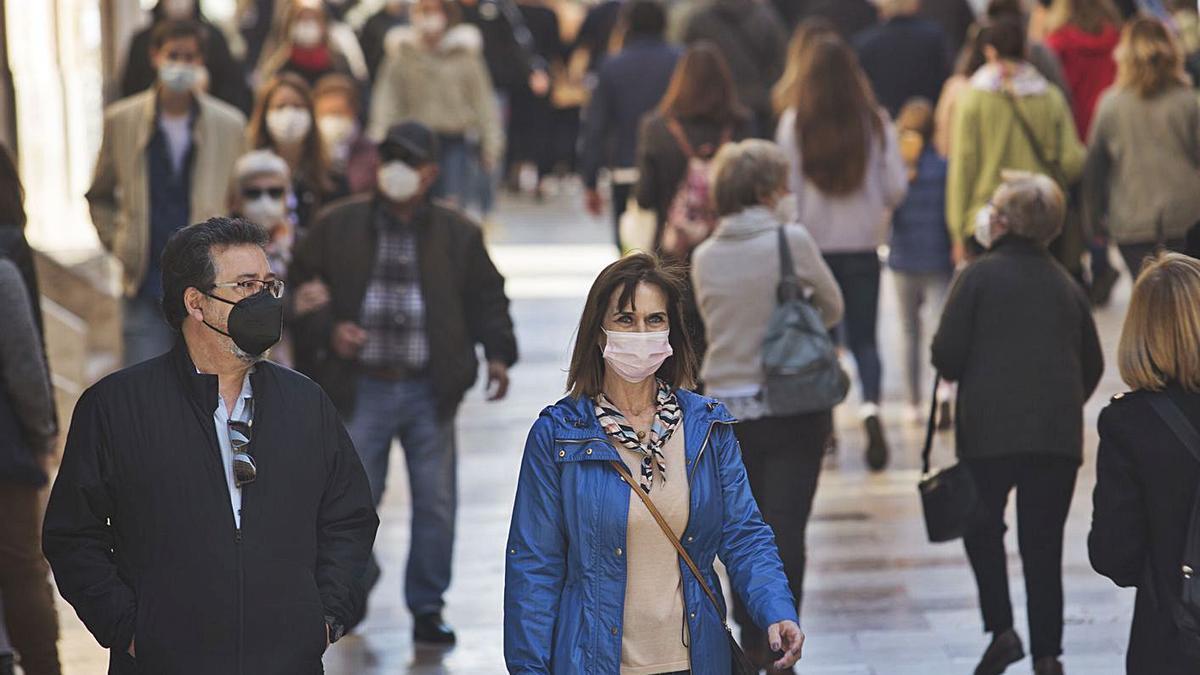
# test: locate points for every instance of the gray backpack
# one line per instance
(799, 358)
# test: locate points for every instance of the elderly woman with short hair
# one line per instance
(592, 582)
(1017, 335)
(735, 275)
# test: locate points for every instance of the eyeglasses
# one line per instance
(248, 287)
(244, 471)
(254, 193)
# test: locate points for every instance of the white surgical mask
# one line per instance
(429, 24)
(264, 211)
(307, 33)
(179, 77)
(398, 181)
(178, 10)
(983, 226)
(786, 209)
(636, 356)
(289, 124)
(338, 132)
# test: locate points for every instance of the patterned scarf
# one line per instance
(666, 419)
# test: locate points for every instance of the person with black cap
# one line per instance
(412, 292)
(211, 515)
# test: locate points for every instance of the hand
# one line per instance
(327, 641)
(348, 339)
(132, 652)
(539, 83)
(787, 637)
(594, 202)
(958, 253)
(497, 382)
(311, 296)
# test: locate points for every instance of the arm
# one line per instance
(595, 132)
(486, 303)
(1097, 170)
(1072, 151)
(346, 523)
(536, 561)
(102, 195)
(646, 191)
(963, 170)
(815, 274)
(1117, 544)
(952, 342)
(78, 538)
(895, 174)
(22, 364)
(313, 331)
(387, 97)
(1091, 353)
(487, 117)
(747, 543)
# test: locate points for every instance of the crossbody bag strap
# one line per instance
(1038, 152)
(680, 137)
(1183, 429)
(931, 426)
(670, 534)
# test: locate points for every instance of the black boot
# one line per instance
(877, 448)
(1005, 650)
(1047, 665)
(431, 629)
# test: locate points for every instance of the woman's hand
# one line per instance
(787, 637)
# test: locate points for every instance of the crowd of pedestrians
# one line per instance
(995, 157)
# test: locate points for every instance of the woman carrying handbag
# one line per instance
(606, 577)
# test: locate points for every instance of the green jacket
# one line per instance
(987, 139)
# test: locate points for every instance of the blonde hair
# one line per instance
(1031, 204)
(744, 173)
(1160, 342)
(1148, 58)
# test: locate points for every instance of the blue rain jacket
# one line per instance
(564, 591)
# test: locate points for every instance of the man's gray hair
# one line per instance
(744, 173)
(1031, 204)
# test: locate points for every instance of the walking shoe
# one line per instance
(945, 416)
(1047, 665)
(877, 448)
(1005, 650)
(431, 629)
(1102, 287)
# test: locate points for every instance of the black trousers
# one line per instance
(783, 460)
(1044, 487)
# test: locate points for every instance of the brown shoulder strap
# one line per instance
(670, 534)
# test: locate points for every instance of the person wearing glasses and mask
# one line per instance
(210, 514)
(412, 291)
(585, 555)
(166, 160)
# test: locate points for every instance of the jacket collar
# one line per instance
(1012, 243)
(748, 223)
(150, 118)
(202, 388)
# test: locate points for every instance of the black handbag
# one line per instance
(739, 663)
(948, 496)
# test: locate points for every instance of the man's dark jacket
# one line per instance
(141, 536)
(463, 292)
(904, 58)
(1017, 335)
(751, 36)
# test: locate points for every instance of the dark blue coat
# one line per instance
(920, 242)
(903, 58)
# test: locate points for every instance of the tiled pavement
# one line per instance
(879, 599)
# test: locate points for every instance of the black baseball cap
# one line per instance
(410, 142)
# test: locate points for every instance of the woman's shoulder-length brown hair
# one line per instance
(1159, 343)
(586, 375)
(702, 88)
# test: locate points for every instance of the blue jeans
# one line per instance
(858, 275)
(144, 330)
(406, 409)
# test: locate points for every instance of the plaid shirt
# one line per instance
(393, 310)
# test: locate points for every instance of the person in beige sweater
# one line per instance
(166, 160)
(734, 277)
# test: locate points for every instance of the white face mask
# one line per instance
(307, 33)
(179, 77)
(289, 124)
(786, 209)
(398, 181)
(429, 24)
(983, 226)
(337, 131)
(264, 211)
(178, 10)
(636, 356)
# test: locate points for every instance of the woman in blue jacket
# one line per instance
(592, 584)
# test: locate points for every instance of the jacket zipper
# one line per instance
(241, 601)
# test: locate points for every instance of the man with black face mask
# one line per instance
(211, 515)
(412, 292)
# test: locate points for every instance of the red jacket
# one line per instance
(1087, 61)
